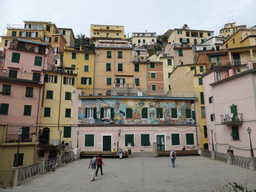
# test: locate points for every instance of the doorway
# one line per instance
(160, 142)
(106, 143)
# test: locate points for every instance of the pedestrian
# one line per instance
(114, 153)
(99, 165)
(92, 164)
(120, 153)
(173, 157)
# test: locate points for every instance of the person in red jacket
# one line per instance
(99, 165)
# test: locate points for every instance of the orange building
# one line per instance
(155, 78)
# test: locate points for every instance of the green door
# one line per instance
(160, 142)
(106, 143)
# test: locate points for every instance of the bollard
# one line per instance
(15, 179)
(252, 164)
(200, 151)
(213, 155)
(230, 158)
(155, 149)
(129, 149)
(42, 166)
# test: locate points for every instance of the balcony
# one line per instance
(21, 26)
(232, 119)
(104, 45)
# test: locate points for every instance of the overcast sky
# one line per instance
(135, 15)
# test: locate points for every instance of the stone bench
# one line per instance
(179, 153)
(103, 153)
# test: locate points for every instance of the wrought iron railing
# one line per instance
(27, 172)
(241, 161)
(206, 153)
(221, 156)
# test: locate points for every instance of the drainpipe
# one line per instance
(196, 127)
(60, 102)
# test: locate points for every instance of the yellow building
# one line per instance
(106, 32)
(186, 81)
(57, 109)
(185, 35)
(68, 34)
(83, 62)
(114, 67)
(144, 38)
(241, 46)
(230, 28)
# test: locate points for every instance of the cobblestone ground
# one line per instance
(143, 174)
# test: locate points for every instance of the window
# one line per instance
(50, 78)
(203, 112)
(68, 81)
(209, 34)
(89, 140)
(175, 139)
(190, 139)
(138, 40)
(108, 66)
(27, 110)
(13, 74)
(36, 77)
(86, 56)
(187, 40)
(205, 132)
(211, 99)
(56, 39)
(212, 117)
(159, 113)
(56, 50)
(29, 92)
(67, 132)
(47, 112)
(120, 54)
(152, 65)
(25, 132)
(145, 140)
(86, 68)
(120, 67)
(61, 57)
(5, 42)
(67, 95)
(144, 41)
(200, 81)
(129, 138)
(6, 90)
(128, 113)
(153, 87)
(67, 112)
(202, 97)
(109, 80)
(117, 34)
(235, 133)
(73, 66)
(90, 113)
(169, 75)
(217, 48)
(144, 113)
(188, 113)
(48, 39)
(108, 54)
(227, 45)
(174, 113)
(153, 75)
(180, 53)
(48, 28)
(137, 81)
(38, 61)
(73, 55)
(63, 32)
(179, 32)
(201, 68)
(41, 49)
(195, 41)
(49, 94)
(136, 67)
(86, 80)
(234, 41)
(4, 107)
(169, 61)
(181, 40)
(15, 57)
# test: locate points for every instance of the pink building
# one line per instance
(230, 103)
(21, 81)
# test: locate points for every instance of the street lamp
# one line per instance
(77, 138)
(212, 140)
(17, 155)
(119, 133)
(249, 132)
(60, 139)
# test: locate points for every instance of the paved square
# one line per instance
(143, 174)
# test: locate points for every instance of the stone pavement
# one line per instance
(143, 174)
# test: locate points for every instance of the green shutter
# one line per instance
(46, 78)
(15, 57)
(89, 140)
(180, 53)
(129, 138)
(73, 55)
(47, 112)
(233, 110)
(73, 81)
(120, 54)
(86, 56)
(188, 113)
(65, 80)
(55, 79)
(181, 40)
(101, 112)
(120, 67)
(108, 81)
(153, 75)
(29, 92)
(209, 58)
(174, 113)
(190, 138)
(175, 139)
(202, 97)
(4, 109)
(200, 81)
(49, 94)
(82, 80)
(38, 61)
(67, 95)
(108, 67)
(6, 90)
(137, 81)
(153, 87)
(68, 113)
(188, 40)
(25, 133)
(90, 80)
(169, 62)
(95, 113)
(235, 133)
(61, 57)
(73, 66)
(159, 112)
(108, 54)
(128, 113)
(67, 132)
(144, 113)
(13, 74)
(136, 67)
(112, 113)
(36, 76)
(86, 68)
(201, 68)
(145, 140)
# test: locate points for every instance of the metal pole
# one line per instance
(252, 155)
(77, 138)
(60, 143)
(212, 140)
(17, 155)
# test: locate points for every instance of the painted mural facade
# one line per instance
(135, 111)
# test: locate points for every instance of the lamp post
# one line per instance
(60, 140)
(119, 133)
(249, 132)
(77, 138)
(17, 155)
(212, 140)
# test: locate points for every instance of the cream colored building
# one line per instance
(144, 38)
(230, 28)
(106, 32)
(68, 34)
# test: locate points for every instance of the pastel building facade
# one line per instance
(69, 36)
(106, 32)
(230, 28)
(144, 38)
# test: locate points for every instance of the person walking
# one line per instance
(99, 165)
(173, 157)
(92, 164)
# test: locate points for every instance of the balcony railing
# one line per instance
(232, 119)
(103, 45)
(15, 26)
(14, 138)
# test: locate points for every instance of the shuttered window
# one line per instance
(4, 108)
(86, 68)
(15, 57)
(180, 53)
(128, 113)
(49, 94)
(108, 66)
(137, 81)
(108, 54)
(86, 56)
(73, 55)
(36, 76)
(120, 54)
(29, 92)
(67, 95)
(144, 113)
(89, 140)
(67, 132)
(190, 139)
(235, 133)
(136, 67)
(68, 113)
(174, 113)
(129, 138)
(159, 112)
(120, 67)
(145, 140)
(73, 66)
(169, 61)
(27, 110)
(200, 81)
(47, 112)
(176, 139)
(109, 81)
(153, 75)
(38, 61)
(6, 89)
(25, 133)
(188, 113)
(153, 87)
(202, 97)
(13, 74)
